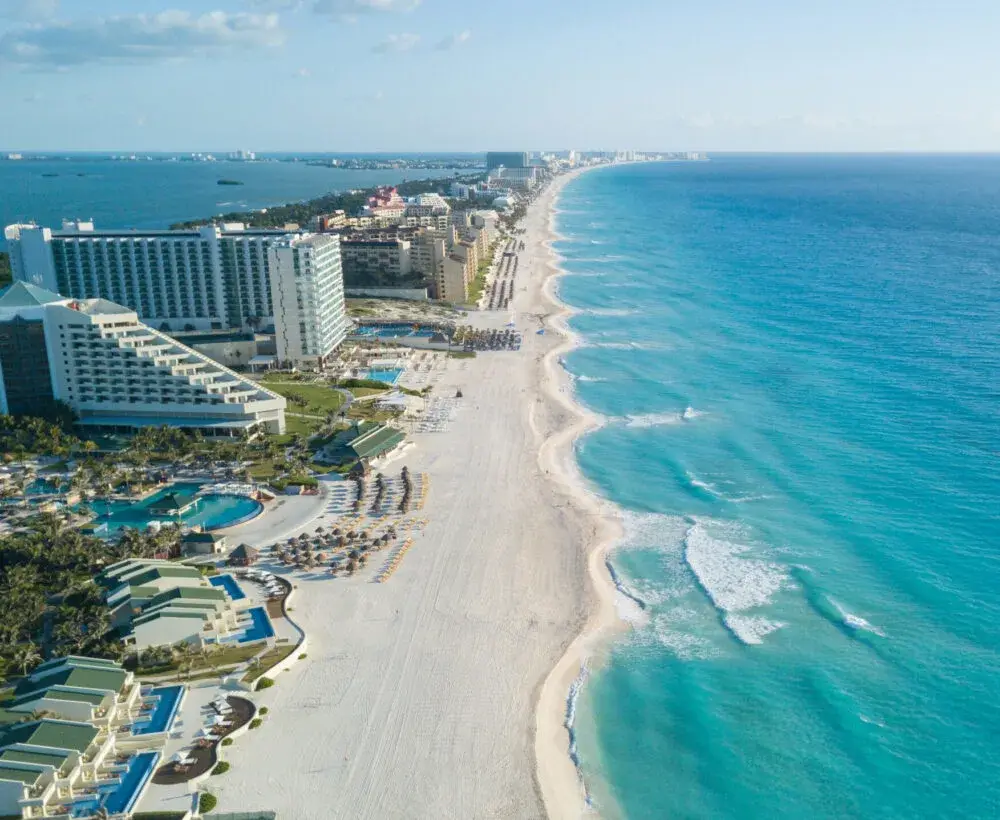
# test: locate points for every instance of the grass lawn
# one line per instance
(227, 656)
(361, 392)
(268, 661)
(316, 399)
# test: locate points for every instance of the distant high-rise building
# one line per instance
(115, 372)
(307, 285)
(506, 159)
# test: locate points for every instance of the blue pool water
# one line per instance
(261, 627)
(211, 512)
(140, 769)
(797, 359)
(162, 717)
(389, 375)
(228, 583)
(396, 331)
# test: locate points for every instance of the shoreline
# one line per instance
(559, 781)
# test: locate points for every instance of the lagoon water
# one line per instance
(799, 363)
(151, 195)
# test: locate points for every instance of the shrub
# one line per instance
(221, 767)
(255, 723)
(264, 683)
(227, 741)
(262, 711)
(207, 802)
(303, 656)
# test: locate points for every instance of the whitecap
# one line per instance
(609, 312)
(591, 379)
(855, 621)
(733, 581)
(653, 420)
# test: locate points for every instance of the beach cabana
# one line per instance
(243, 556)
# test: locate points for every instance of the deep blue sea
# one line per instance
(156, 194)
(798, 359)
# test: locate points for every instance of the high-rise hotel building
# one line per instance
(117, 373)
(206, 279)
(307, 285)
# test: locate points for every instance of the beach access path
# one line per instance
(418, 696)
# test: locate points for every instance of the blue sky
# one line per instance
(384, 75)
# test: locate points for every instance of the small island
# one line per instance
(229, 182)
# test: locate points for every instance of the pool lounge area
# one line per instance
(178, 503)
(161, 719)
(229, 584)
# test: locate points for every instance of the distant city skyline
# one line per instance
(440, 75)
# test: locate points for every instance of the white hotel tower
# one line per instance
(307, 286)
(116, 373)
(208, 278)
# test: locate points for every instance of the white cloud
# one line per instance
(303, 72)
(397, 43)
(29, 10)
(138, 38)
(350, 9)
(276, 5)
(453, 40)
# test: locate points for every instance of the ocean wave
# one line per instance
(673, 631)
(715, 492)
(624, 345)
(609, 312)
(733, 581)
(630, 607)
(855, 621)
(661, 419)
(595, 379)
(570, 721)
(654, 420)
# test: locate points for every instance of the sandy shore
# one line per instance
(441, 693)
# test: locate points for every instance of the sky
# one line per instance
(472, 75)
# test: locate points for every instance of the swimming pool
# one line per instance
(228, 583)
(261, 627)
(163, 714)
(394, 331)
(210, 512)
(123, 799)
(389, 375)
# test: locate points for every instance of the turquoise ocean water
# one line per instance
(799, 363)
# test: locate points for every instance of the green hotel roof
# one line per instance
(170, 611)
(40, 757)
(153, 573)
(206, 593)
(55, 734)
(20, 775)
(377, 441)
(111, 680)
(24, 294)
(77, 660)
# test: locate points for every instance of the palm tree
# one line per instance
(26, 655)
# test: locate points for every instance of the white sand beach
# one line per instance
(418, 696)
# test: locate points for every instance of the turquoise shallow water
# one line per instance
(798, 360)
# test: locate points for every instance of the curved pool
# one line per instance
(210, 512)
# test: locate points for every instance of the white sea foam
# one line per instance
(591, 379)
(570, 722)
(660, 419)
(675, 631)
(855, 621)
(751, 629)
(653, 420)
(732, 580)
(609, 312)
(872, 721)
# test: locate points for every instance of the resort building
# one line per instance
(162, 603)
(386, 207)
(117, 373)
(307, 281)
(506, 159)
(376, 260)
(94, 753)
(209, 278)
(513, 177)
